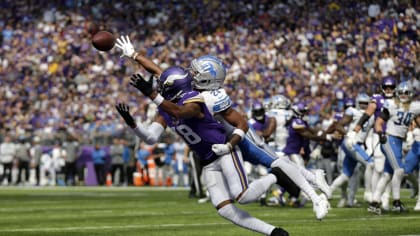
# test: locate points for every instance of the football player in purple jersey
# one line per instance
(235, 124)
(184, 110)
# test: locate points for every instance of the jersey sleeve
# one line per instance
(298, 124)
(349, 111)
(217, 100)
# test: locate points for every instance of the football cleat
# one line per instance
(279, 232)
(322, 183)
(321, 208)
(398, 206)
(375, 208)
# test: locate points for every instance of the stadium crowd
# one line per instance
(53, 82)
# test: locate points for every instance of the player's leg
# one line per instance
(234, 172)
(393, 152)
(412, 162)
(219, 190)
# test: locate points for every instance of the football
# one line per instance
(103, 41)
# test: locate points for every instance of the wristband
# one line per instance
(158, 100)
(239, 132)
(134, 56)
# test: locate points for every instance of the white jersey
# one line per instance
(281, 133)
(216, 100)
(400, 118)
(356, 114)
(416, 134)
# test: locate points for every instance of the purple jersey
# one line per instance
(199, 133)
(379, 100)
(295, 141)
(258, 125)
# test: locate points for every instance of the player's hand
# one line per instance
(139, 82)
(221, 149)
(382, 138)
(124, 111)
(124, 43)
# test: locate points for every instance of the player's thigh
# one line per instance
(234, 172)
(216, 185)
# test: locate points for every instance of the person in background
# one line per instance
(35, 154)
(22, 158)
(116, 152)
(7, 156)
(180, 165)
(71, 147)
(98, 156)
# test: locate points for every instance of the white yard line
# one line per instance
(131, 226)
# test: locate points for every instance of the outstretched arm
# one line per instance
(124, 43)
(149, 135)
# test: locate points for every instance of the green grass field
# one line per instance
(154, 211)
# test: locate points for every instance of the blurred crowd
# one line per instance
(52, 80)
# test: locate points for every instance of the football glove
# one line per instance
(221, 149)
(124, 111)
(146, 87)
(124, 43)
(382, 138)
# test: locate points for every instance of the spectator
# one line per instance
(116, 152)
(98, 156)
(23, 158)
(7, 157)
(71, 147)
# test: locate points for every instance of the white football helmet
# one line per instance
(208, 72)
(280, 102)
(362, 99)
(404, 92)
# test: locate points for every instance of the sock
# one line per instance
(257, 188)
(380, 187)
(396, 183)
(375, 179)
(341, 179)
(368, 178)
(243, 219)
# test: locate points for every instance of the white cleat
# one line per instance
(417, 207)
(322, 183)
(321, 208)
(324, 197)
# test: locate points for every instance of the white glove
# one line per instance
(124, 43)
(350, 139)
(316, 153)
(221, 149)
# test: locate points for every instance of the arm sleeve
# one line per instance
(151, 134)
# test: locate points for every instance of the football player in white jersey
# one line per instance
(352, 146)
(372, 141)
(212, 76)
(397, 117)
(280, 110)
(412, 158)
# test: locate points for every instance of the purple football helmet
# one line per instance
(388, 83)
(300, 109)
(174, 82)
(258, 111)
